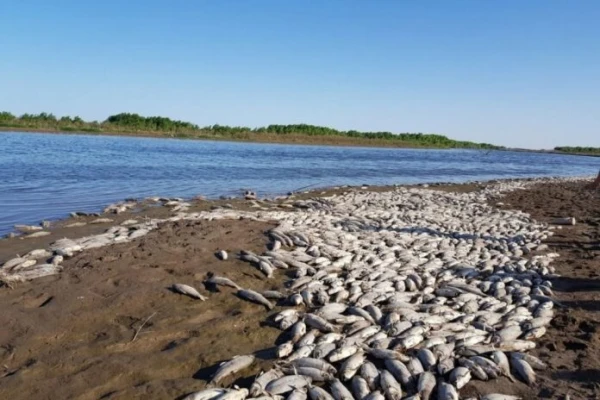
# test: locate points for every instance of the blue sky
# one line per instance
(517, 73)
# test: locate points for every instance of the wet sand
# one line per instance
(572, 345)
(71, 336)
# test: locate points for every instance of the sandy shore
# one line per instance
(70, 336)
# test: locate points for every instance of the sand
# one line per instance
(71, 336)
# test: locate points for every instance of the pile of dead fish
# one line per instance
(44, 262)
(407, 294)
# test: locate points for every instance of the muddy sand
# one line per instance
(109, 327)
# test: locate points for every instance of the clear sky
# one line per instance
(510, 72)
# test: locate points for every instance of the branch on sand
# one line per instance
(137, 332)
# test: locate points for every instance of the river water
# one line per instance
(45, 176)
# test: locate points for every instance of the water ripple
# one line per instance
(45, 176)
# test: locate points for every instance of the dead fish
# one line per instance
(297, 395)
(390, 386)
(535, 362)
(323, 350)
(351, 365)
(319, 323)
(414, 366)
(27, 228)
(232, 366)
(287, 384)
(516, 345)
(445, 365)
(370, 373)
(24, 265)
(273, 295)
(265, 268)
(188, 290)
(309, 362)
(376, 395)
(286, 321)
(339, 391)
(255, 297)
(446, 392)
(269, 397)
(400, 372)
(523, 369)
(206, 394)
(342, 353)
(360, 387)
(38, 253)
(385, 354)
(249, 256)
(476, 370)
(13, 262)
(534, 333)
(502, 362)
(315, 374)
(222, 281)
(56, 260)
(317, 393)
(238, 394)
(297, 331)
(37, 234)
(426, 385)
(459, 377)
(261, 381)
(295, 299)
(284, 349)
(301, 352)
(427, 359)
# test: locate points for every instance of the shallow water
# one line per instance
(45, 176)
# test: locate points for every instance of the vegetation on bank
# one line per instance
(126, 123)
(578, 150)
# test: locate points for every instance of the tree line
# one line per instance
(134, 123)
(578, 149)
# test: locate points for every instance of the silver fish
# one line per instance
(360, 387)
(390, 386)
(523, 370)
(339, 391)
(222, 281)
(446, 392)
(206, 394)
(317, 393)
(188, 291)
(232, 366)
(351, 365)
(426, 385)
(370, 373)
(287, 384)
(255, 297)
(459, 377)
(261, 381)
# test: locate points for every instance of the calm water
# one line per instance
(45, 176)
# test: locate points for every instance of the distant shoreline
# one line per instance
(294, 139)
(281, 139)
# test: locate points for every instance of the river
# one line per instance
(46, 176)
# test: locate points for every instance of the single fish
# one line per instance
(255, 297)
(188, 291)
(232, 366)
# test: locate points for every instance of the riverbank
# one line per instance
(291, 139)
(128, 336)
(248, 138)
